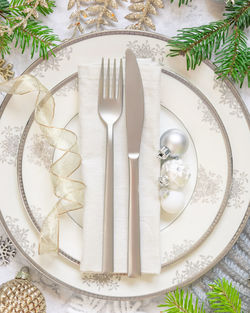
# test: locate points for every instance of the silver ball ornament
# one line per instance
(173, 144)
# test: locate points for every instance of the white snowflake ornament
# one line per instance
(7, 251)
(176, 172)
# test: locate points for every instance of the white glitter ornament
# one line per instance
(163, 181)
(176, 172)
(173, 203)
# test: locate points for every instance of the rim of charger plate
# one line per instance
(221, 254)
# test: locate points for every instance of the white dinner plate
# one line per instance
(194, 224)
(191, 266)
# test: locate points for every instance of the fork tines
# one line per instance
(112, 94)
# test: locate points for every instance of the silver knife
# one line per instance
(134, 97)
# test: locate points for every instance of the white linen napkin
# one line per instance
(93, 147)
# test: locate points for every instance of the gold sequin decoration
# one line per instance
(88, 13)
(6, 71)
(20, 295)
(140, 13)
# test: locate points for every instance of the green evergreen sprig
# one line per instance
(233, 58)
(179, 302)
(224, 38)
(19, 24)
(36, 36)
(182, 2)
(223, 298)
(4, 4)
(18, 6)
(4, 44)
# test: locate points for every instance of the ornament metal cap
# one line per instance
(163, 153)
(24, 273)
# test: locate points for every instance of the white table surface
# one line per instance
(167, 22)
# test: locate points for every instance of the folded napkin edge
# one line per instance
(140, 60)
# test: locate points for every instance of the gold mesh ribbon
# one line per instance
(70, 192)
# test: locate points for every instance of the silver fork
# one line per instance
(109, 108)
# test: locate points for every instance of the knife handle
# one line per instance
(134, 255)
(108, 220)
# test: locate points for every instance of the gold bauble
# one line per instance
(21, 296)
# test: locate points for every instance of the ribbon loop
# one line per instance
(70, 192)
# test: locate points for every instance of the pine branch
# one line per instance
(224, 297)
(238, 14)
(233, 60)
(179, 302)
(199, 43)
(19, 24)
(4, 4)
(181, 2)
(17, 6)
(5, 41)
(36, 35)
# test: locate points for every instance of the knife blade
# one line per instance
(134, 99)
(134, 96)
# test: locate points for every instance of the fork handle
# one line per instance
(108, 226)
(134, 255)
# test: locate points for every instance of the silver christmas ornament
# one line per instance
(176, 173)
(173, 144)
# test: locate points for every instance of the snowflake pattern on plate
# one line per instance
(191, 268)
(227, 98)
(208, 117)
(177, 250)
(145, 50)
(208, 186)
(110, 281)
(21, 235)
(53, 63)
(38, 215)
(71, 86)
(9, 142)
(40, 151)
(7, 250)
(238, 190)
